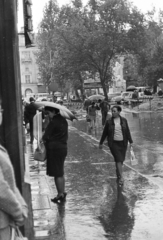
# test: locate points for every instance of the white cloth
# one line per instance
(118, 136)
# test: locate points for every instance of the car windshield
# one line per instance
(125, 94)
(113, 94)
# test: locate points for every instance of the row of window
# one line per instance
(28, 79)
(25, 54)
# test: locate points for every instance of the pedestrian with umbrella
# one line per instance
(105, 107)
(118, 135)
(92, 114)
(55, 140)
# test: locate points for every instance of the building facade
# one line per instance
(31, 83)
(119, 83)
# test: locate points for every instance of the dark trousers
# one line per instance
(104, 115)
(31, 131)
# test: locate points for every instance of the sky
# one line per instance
(38, 6)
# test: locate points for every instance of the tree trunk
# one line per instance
(81, 86)
(104, 88)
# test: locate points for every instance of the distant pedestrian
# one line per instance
(29, 113)
(13, 209)
(135, 95)
(60, 102)
(55, 139)
(105, 107)
(118, 135)
(92, 114)
(87, 103)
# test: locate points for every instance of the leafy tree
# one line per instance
(151, 52)
(89, 38)
(130, 69)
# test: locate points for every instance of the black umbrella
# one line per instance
(131, 88)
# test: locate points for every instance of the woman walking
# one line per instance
(13, 209)
(118, 135)
(92, 114)
(55, 139)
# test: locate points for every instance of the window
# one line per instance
(26, 54)
(27, 69)
(27, 78)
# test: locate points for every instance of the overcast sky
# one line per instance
(38, 5)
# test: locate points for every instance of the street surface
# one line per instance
(96, 208)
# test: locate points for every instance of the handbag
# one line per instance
(16, 234)
(40, 153)
(88, 118)
(133, 159)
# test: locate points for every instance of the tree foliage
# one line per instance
(76, 39)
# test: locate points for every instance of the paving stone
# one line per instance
(40, 223)
(41, 202)
(42, 233)
(35, 192)
(34, 187)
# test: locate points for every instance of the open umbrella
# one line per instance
(160, 80)
(65, 112)
(96, 97)
(131, 88)
(57, 94)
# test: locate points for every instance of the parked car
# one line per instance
(112, 95)
(118, 99)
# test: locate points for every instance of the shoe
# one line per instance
(59, 199)
(120, 182)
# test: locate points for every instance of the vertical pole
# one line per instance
(11, 132)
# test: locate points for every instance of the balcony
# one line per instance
(26, 60)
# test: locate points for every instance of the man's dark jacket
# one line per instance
(109, 132)
(30, 111)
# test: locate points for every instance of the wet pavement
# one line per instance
(96, 207)
(146, 129)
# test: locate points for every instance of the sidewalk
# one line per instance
(95, 208)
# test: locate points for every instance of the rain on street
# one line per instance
(96, 207)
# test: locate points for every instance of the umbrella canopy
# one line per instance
(57, 94)
(160, 80)
(65, 112)
(96, 97)
(131, 88)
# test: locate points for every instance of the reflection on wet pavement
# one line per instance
(97, 208)
(146, 129)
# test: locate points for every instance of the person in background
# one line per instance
(29, 113)
(55, 139)
(87, 103)
(92, 114)
(60, 102)
(135, 95)
(105, 107)
(13, 209)
(118, 135)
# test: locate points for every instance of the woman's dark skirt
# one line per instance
(55, 161)
(118, 151)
